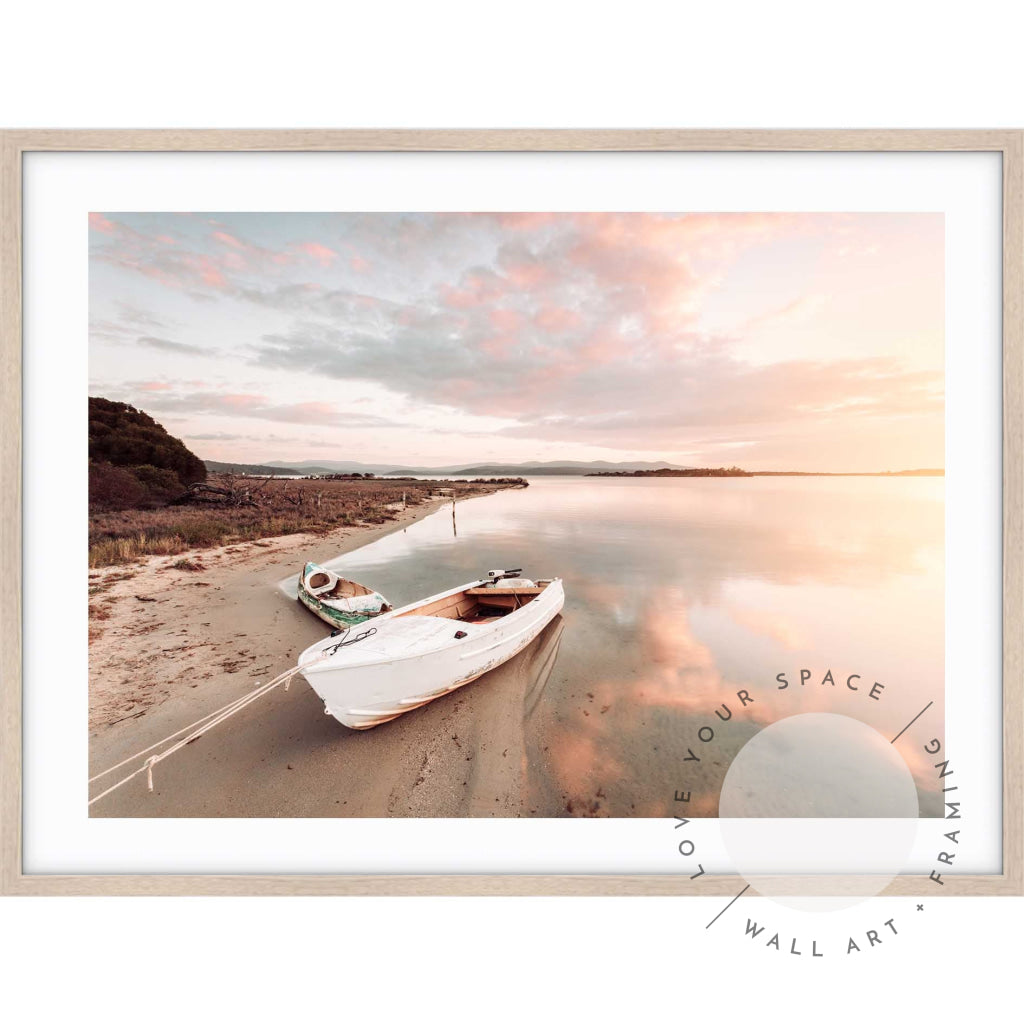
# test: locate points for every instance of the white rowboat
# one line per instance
(410, 656)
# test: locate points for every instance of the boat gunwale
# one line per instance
(301, 588)
(319, 667)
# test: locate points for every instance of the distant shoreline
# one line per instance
(766, 472)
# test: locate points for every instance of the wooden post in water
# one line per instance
(455, 532)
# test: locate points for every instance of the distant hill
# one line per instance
(561, 468)
(736, 471)
(566, 468)
(133, 461)
(319, 467)
(881, 472)
(239, 469)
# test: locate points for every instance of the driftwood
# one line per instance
(234, 494)
(298, 499)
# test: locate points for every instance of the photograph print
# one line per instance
(516, 515)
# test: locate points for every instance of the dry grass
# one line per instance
(288, 506)
(189, 565)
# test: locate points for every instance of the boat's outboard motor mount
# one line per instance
(503, 574)
(508, 578)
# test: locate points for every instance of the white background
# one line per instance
(532, 64)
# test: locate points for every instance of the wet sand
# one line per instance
(202, 638)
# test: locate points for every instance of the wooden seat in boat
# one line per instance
(485, 591)
(478, 604)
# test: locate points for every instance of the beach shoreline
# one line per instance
(179, 643)
(125, 594)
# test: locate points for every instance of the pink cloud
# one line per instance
(158, 273)
(242, 401)
(796, 311)
(506, 319)
(324, 256)
(233, 261)
(526, 275)
(358, 264)
(223, 236)
(314, 412)
(557, 318)
(458, 298)
(477, 288)
(210, 273)
(252, 406)
(100, 223)
(161, 258)
(524, 221)
(601, 347)
(244, 255)
(153, 385)
(499, 346)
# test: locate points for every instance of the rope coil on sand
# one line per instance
(197, 728)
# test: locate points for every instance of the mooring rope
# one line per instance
(198, 727)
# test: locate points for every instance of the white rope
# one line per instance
(204, 724)
(160, 743)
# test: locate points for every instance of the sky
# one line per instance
(771, 341)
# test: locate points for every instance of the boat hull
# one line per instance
(362, 696)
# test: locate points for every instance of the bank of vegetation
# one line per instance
(150, 495)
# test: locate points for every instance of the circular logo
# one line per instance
(818, 811)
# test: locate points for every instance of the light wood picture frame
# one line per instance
(14, 145)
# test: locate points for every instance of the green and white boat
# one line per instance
(339, 602)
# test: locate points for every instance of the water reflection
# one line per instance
(682, 592)
(538, 661)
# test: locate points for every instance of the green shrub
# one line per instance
(122, 437)
(161, 484)
(114, 487)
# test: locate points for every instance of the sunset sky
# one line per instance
(768, 341)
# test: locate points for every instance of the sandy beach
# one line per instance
(178, 643)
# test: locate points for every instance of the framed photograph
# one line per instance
(512, 512)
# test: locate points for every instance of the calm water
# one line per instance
(681, 592)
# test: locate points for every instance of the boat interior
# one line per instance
(479, 605)
(319, 585)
